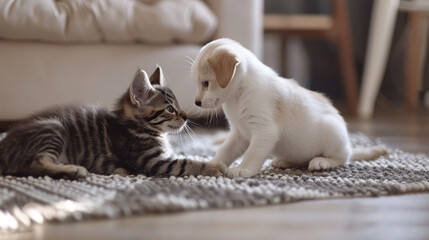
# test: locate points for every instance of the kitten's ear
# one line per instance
(140, 89)
(158, 77)
(224, 64)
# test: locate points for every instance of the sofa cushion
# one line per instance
(77, 21)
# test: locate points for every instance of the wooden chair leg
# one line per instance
(414, 59)
(283, 57)
(345, 51)
(383, 21)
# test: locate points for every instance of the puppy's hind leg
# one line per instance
(323, 163)
(331, 158)
(335, 151)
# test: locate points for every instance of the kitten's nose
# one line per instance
(183, 115)
(198, 103)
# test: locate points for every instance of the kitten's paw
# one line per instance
(76, 172)
(121, 171)
(235, 172)
(321, 163)
(214, 169)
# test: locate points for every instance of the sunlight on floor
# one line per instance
(7, 221)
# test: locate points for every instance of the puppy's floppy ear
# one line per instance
(224, 64)
(157, 77)
(141, 90)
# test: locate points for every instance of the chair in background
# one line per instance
(382, 24)
(334, 27)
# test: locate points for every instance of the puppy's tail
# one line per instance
(368, 154)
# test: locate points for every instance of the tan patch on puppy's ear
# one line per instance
(224, 65)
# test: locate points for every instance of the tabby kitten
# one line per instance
(69, 141)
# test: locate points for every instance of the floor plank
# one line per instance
(398, 217)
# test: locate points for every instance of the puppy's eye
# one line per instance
(205, 84)
(170, 109)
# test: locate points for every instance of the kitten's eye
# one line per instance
(170, 109)
(205, 84)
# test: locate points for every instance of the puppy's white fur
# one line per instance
(269, 114)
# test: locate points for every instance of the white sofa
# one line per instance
(35, 75)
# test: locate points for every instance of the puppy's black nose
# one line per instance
(198, 103)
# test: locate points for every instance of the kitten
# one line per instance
(69, 141)
(269, 114)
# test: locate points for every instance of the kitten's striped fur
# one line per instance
(69, 141)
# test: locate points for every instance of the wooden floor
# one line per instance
(397, 217)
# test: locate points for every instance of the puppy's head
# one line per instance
(213, 71)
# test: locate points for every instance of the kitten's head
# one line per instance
(150, 103)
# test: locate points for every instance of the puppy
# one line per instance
(270, 115)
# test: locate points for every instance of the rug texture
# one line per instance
(26, 201)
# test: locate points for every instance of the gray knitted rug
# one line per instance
(26, 201)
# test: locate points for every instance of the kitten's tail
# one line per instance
(368, 154)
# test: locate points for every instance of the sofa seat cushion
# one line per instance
(84, 21)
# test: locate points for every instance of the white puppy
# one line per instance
(269, 114)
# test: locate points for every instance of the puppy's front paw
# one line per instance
(235, 172)
(214, 169)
